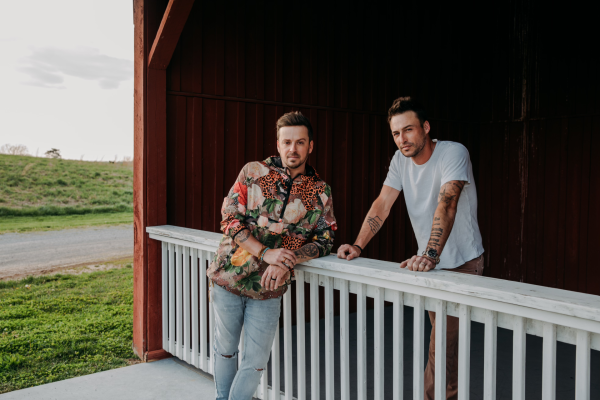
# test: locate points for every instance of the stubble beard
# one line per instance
(300, 164)
(420, 148)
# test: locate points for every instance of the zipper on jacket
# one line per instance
(287, 199)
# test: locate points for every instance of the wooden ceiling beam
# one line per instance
(168, 33)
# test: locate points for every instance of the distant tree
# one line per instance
(15, 150)
(53, 153)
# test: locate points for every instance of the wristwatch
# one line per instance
(432, 254)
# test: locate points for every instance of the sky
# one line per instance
(66, 77)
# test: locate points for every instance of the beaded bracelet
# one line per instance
(262, 255)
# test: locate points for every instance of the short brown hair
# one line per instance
(404, 104)
(295, 118)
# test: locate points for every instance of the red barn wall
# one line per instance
(495, 84)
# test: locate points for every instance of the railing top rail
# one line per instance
(522, 294)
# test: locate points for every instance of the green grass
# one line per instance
(42, 186)
(52, 222)
(64, 326)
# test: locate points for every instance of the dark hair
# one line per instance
(295, 118)
(404, 104)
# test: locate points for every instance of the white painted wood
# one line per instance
(186, 305)
(418, 348)
(276, 366)
(361, 342)
(464, 352)
(329, 341)
(315, 386)
(300, 335)
(287, 345)
(204, 351)
(440, 349)
(379, 344)
(470, 300)
(344, 340)
(172, 304)
(489, 358)
(549, 363)
(165, 295)
(195, 309)
(179, 303)
(398, 349)
(582, 366)
(519, 351)
(211, 321)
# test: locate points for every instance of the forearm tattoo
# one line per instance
(242, 236)
(450, 192)
(306, 252)
(374, 223)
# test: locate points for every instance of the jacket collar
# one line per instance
(275, 162)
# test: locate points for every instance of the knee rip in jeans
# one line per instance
(234, 355)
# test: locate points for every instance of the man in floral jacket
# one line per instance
(277, 214)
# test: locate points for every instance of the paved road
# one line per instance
(36, 252)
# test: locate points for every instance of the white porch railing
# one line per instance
(553, 314)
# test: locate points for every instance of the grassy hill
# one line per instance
(41, 187)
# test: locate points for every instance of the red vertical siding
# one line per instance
(496, 84)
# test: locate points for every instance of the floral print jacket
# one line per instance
(280, 213)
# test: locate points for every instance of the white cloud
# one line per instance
(46, 67)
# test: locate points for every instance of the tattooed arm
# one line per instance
(307, 252)
(277, 257)
(373, 222)
(443, 221)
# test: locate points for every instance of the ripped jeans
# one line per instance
(259, 319)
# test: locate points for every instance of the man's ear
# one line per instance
(426, 127)
(279, 151)
(311, 146)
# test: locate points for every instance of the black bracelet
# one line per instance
(361, 250)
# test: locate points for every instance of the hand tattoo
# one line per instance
(306, 252)
(374, 223)
(242, 236)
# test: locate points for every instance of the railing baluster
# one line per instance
(361, 342)
(300, 335)
(211, 335)
(329, 343)
(275, 366)
(379, 344)
(418, 347)
(186, 305)
(489, 362)
(582, 366)
(315, 386)
(179, 306)
(440, 349)
(287, 344)
(195, 343)
(344, 340)
(519, 349)
(204, 355)
(398, 350)
(165, 295)
(172, 299)
(549, 363)
(464, 351)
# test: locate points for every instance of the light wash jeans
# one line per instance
(259, 319)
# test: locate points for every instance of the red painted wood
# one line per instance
(528, 117)
(173, 21)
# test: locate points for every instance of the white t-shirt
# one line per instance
(450, 161)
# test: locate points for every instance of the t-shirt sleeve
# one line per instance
(394, 177)
(456, 165)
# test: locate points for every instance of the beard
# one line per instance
(296, 163)
(416, 148)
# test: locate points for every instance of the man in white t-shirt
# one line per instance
(437, 180)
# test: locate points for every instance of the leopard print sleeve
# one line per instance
(233, 210)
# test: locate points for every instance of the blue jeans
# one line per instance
(259, 319)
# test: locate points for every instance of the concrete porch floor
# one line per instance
(164, 379)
